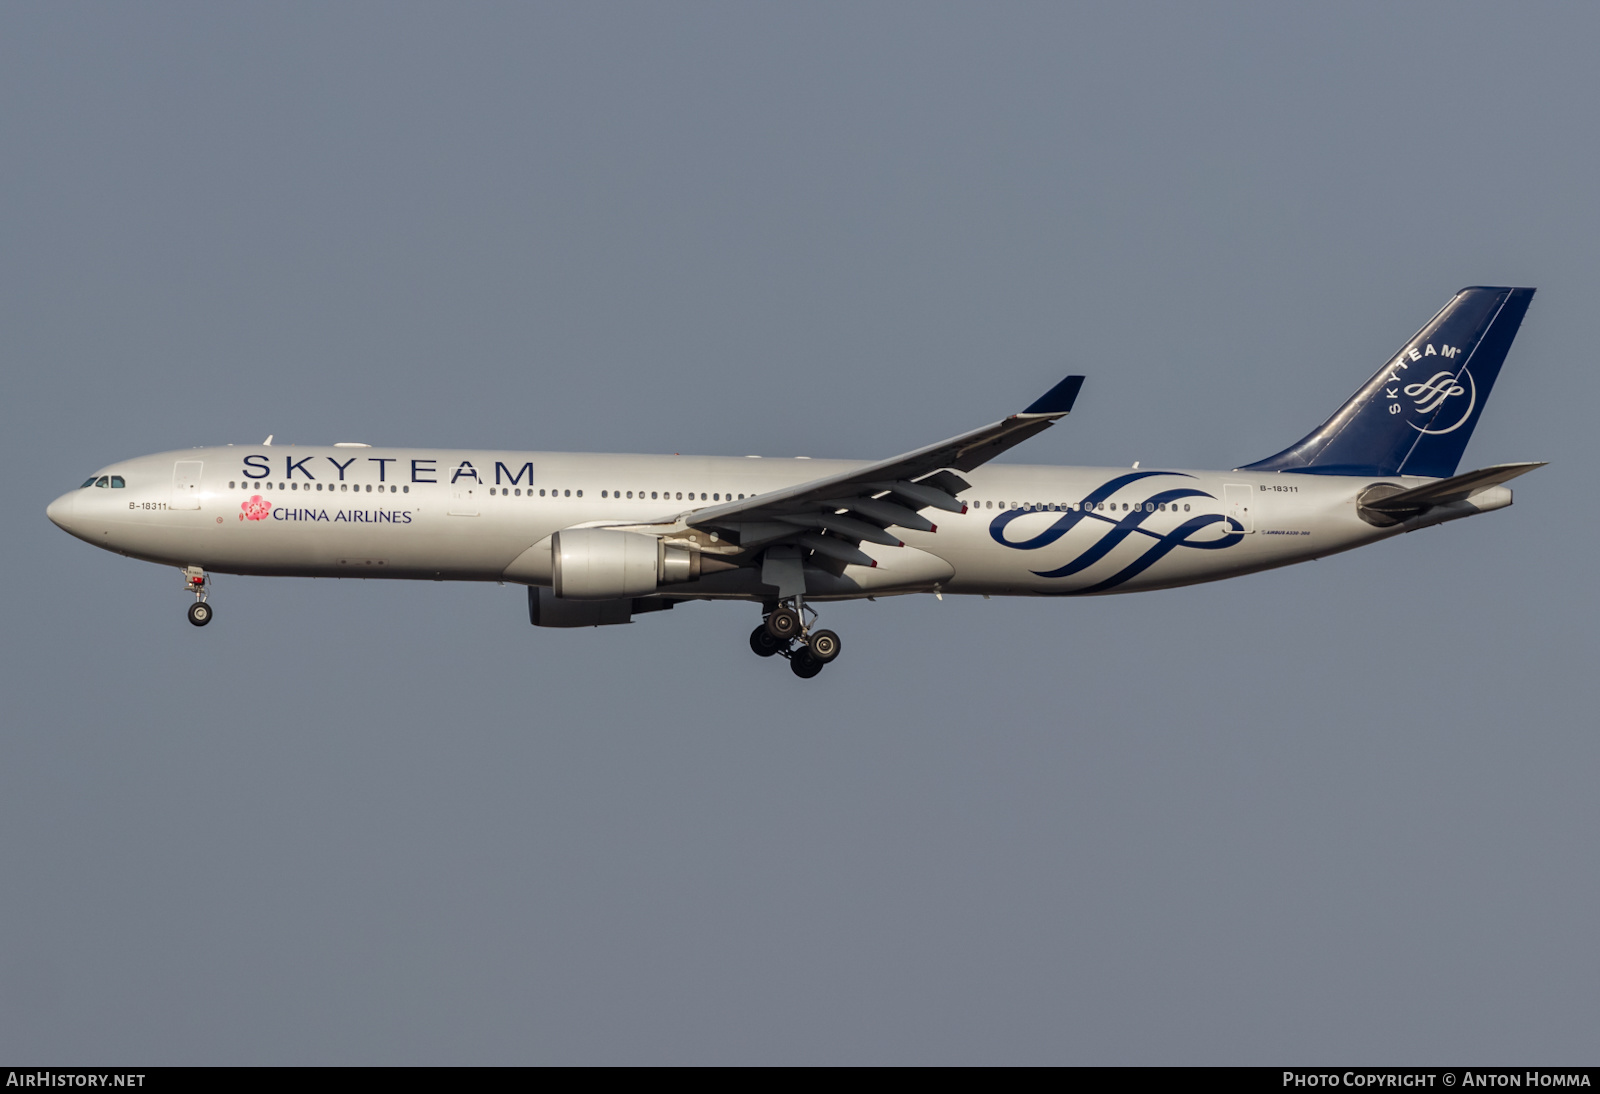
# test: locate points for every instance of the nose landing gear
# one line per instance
(785, 633)
(195, 580)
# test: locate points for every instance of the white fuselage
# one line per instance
(471, 515)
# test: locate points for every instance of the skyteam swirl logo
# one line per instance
(1119, 527)
(1431, 394)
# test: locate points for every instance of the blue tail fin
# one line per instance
(1415, 416)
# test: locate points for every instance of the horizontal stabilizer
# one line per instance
(1446, 491)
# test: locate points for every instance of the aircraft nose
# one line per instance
(60, 511)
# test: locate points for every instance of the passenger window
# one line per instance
(580, 493)
(407, 490)
(680, 495)
(652, 493)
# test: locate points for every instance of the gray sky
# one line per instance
(1343, 811)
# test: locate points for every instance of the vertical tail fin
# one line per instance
(1415, 416)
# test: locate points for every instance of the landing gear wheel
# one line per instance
(783, 624)
(762, 644)
(804, 665)
(199, 613)
(824, 645)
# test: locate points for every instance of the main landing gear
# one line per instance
(195, 580)
(785, 633)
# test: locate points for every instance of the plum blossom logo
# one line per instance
(256, 508)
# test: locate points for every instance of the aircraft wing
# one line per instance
(833, 515)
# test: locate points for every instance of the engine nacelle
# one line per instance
(605, 564)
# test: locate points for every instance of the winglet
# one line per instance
(1059, 399)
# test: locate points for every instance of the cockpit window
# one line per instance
(88, 482)
(103, 481)
(117, 482)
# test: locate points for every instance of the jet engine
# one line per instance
(605, 564)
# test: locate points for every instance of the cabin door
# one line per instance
(186, 484)
(1241, 503)
(464, 497)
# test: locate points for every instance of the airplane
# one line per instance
(598, 539)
